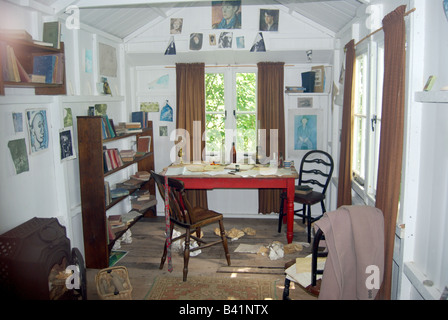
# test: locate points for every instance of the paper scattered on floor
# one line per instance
(235, 234)
(248, 248)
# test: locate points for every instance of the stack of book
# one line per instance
(303, 190)
(118, 192)
(127, 155)
(116, 223)
(129, 127)
(111, 159)
(143, 205)
(51, 66)
(141, 176)
(294, 89)
(130, 184)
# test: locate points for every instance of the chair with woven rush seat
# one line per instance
(316, 170)
(182, 214)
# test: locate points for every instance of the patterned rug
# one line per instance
(211, 288)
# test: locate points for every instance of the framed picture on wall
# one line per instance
(305, 131)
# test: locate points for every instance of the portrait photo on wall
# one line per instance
(305, 130)
(36, 120)
(66, 143)
(196, 41)
(225, 40)
(176, 25)
(269, 19)
(226, 14)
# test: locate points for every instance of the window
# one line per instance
(230, 111)
(367, 119)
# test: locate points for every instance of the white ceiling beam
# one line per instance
(31, 4)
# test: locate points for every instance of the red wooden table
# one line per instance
(229, 181)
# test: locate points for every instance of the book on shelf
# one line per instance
(141, 117)
(142, 195)
(108, 198)
(107, 127)
(111, 159)
(130, 216)
(303, 190)
(51, 66)
(118, 192)
(140, 177)
(115, 219)
(52, 33)
(144, 144)
(127, 155)
(289, 89)
(143, 205)
(430, 83)
(130, 184)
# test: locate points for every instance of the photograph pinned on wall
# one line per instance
(17, 149)
(37, 130)
(225, 40)
(226, 14)
(88, 61)
(196, 41)
(305, 102)
(163, 131)
(319, 79)
(306, 131)
(212, 39)
(171, 49)
(17, 120)
(167, 113)
(269, 19)
(176, 25)
(66, 144)
(258, 45)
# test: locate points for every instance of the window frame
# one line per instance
(367, 189)
(231, 112)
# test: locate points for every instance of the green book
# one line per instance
(52, 33)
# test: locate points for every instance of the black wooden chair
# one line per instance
(191, 219)
(316, 170)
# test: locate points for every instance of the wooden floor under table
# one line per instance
(148, 235)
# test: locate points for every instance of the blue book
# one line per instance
(44, 65)
(140, 116)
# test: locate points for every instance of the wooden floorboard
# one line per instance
(148, 235)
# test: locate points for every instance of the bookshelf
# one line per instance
(97, 243)
(24, 52)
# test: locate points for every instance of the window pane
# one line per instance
(359, 147)
(246, 133)
(361, 85)
(214, 92)
(246, 90)
(215, 132)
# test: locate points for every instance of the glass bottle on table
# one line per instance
(233, 154)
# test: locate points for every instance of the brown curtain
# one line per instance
(190, 115)
(345, 162)
(271, 115)
(392, 135)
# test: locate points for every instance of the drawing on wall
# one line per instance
(176, 25)
(240, 42)
(305, 130)
(88, 61)
(226, 14)
(171, 49)
(196, 41)
(269, 20)
(66, 143)
(68, 117)
(160, 83)
(258, 45)
(37, 129)
(107, 60)
(149, 106)
(167, 113)
(445, 8)
(225, 40)
(17, 119)
(17, 148)
(100, 109)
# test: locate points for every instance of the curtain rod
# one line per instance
(378, 30)
(231, 66)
